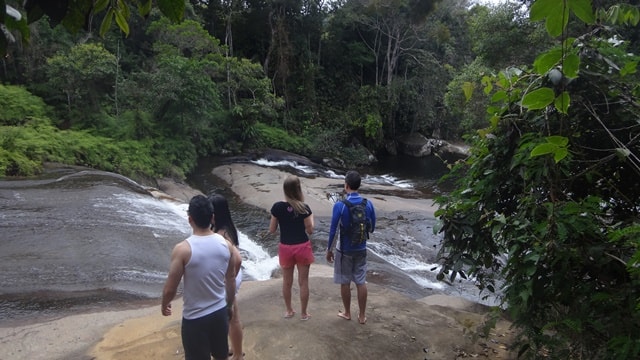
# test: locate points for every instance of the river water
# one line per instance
(76, 240)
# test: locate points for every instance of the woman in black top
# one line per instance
(296, 224)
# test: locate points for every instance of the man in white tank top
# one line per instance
(204, 261)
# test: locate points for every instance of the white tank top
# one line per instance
(204, 276)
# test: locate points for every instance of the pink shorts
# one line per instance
(298, 254)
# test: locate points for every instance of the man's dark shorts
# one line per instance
(206, 336)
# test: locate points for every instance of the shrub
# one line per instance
(18, 105)
(272, 137)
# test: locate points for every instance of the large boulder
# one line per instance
(418, 145)
(281, 155)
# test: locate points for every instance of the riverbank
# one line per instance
(433, 327)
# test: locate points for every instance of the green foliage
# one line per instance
(372, 126)
(24, 147)
(503, 36)
(76, 15)
(546, 208)
(326, 142)
(276, 138)
(84, 75)
(463, 100)
(187, 39)
(249, 96)
(13, 161)
(353, 156)
(365, 117)
(18, 104)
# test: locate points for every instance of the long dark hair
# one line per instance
(222, 218)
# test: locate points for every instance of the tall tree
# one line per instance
(390, 29)
(86, 75)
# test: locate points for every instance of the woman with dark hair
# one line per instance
(296, 225)
(222, 224)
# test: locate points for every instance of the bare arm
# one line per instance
(273, 225)
(308, 224)
(230, 278)
(179, 257)
(234, 251)
(236, 255)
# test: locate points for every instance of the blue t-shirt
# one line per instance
(292, 230)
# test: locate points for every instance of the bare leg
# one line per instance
(362, 302)
(345, 293)
(287, 283)
(235, 333)
(303, 282)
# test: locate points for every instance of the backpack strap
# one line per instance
(346, 204)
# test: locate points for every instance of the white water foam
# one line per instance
(148, 211)
(410, 265)
(384, 179)
(257, 264)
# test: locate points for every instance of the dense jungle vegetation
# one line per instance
(545, 92)
(317, 78)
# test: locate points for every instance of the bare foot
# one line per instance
(362, 320)
(305, 317)
(232, 356)
(289, 314)
(344, 315)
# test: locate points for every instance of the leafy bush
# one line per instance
(272, 137)
(24, 149)
(18, 105)
(547, 205)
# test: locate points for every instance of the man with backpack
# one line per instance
(356, 218)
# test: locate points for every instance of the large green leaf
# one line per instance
(558, 140)
(144, 7)
(542, 8)
(583, 10)
(467, 88)
(556, 145)
(543, 149)
(562, 102)
(560, 154)
(100, 5)
(538, 99)
(498, 96)
(629, 67)
(172, 9)
(545, 61)
(106, 22)
(557, 21)
(571, 65)
(121, 20)
(554, 12)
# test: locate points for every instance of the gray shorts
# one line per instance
(350, 267)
